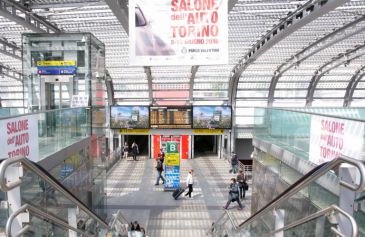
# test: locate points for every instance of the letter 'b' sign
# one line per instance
(172, 147)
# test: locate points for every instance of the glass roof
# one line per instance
(280, 76)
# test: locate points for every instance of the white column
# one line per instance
(350, 175)
(72, 221)
(279, 221)
(14, 200)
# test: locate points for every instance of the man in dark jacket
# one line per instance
(233, 194)
(241, 179)
(234, 162)
(159, 168)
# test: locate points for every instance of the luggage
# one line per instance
(177, 193)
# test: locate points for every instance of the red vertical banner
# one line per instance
(185, 146)
(156, 145)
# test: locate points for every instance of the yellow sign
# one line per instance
(56, 63)
(208, 131)
(135, 131)
(172, 159)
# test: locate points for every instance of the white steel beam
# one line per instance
(11, 73)
(321, 44)
(307, 13)
(10, 49)
(355, 79)
(120, 10)
(23, 16)
(343, 58)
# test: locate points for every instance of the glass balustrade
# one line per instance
(58, 129)
(291, 130)
(44, 197)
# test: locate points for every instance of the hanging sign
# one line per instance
(19, 137)
(79, 101)
(332, 137)
(178, 32)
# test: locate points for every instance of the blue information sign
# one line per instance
(172, 175)
(56, 70)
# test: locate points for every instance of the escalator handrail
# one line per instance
(308, 178)
(324, 212)
(35, 168)
(35, 211)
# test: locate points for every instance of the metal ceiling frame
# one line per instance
(355, 79)
(305, 14)
(299, 57)
(322, 70)
(120, 11)
(194, 70)
(10, 49)
(30, 20)
(148, 72)
(109, 88)
(12, 73)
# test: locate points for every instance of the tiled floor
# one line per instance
(131, 188)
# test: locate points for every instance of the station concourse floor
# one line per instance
(131, 188)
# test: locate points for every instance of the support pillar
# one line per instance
(279, 221)
(350, 175)
(72, 221)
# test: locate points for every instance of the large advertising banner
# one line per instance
(178, 32)
(19, 137)
(172, 166)
(331, 137)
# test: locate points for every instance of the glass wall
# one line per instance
(291, 129)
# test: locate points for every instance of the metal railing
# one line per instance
(26, 163)
(303, 182)
(35, 211)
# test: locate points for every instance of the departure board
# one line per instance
(170, 117)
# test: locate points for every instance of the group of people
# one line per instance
(159, 168)
(238, 186)
(237, 190)
(134, 150)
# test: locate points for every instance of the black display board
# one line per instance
(170, 117)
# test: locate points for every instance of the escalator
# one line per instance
(280, 217)
(39, 205)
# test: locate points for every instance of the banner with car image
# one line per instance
(178, 32)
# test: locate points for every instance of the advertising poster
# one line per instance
(19, 137)
(212, 117)
(178, 32)
(172, 166)
(331, 137)
(129, 117)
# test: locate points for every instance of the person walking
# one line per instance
(189, 183)
(161, 155)
(233, 195)
(125, 150)
(241, 179)
(159, 168)
(234, 162)
(135, 150)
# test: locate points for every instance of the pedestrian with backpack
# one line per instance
(159, 168)
(233, 195)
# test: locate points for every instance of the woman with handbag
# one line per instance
(233, 194)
